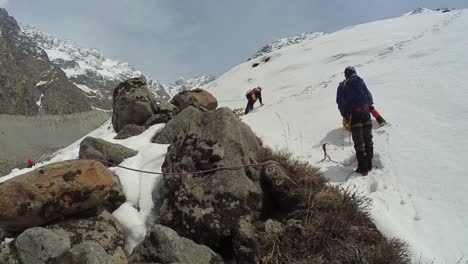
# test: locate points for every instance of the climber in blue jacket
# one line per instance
(353, 99)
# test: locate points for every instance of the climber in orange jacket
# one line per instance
(252, 96)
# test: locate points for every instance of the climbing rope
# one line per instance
(223, 168)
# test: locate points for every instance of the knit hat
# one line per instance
(350, 70)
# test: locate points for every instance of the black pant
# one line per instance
(250, 106)
(361, 130)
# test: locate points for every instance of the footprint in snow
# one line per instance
(373, 186)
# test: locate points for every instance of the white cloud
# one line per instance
(3, 3)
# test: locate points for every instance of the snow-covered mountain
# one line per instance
(415, 66)
(183, 85)
(420, 10)
(97, 75)
(286, 42)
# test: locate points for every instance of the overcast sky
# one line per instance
(171, 38)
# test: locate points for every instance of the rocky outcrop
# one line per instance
(132, 103)
(278, 185)
(197, 97)
(40, 246)
(53, 191)
(130, 130)
(207, 208)
(163, 245)
(99, 149)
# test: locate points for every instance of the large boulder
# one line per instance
(39, 245)
(51, 192)
(133, 103)
(207, 208)
(163, 245)
(197, 97)
(99, 149)
(130, 130)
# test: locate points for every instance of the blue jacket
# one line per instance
(352, 93)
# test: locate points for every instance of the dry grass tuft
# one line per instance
(331, 225)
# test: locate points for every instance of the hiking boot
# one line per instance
(360, 169)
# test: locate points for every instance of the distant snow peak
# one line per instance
(286, 42)
(188, 84)
(420, 10)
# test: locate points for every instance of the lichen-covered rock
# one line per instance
(103, 229)
(99, 149)
(163, 245)
(39, 245)
(51, 192)
(130, 130)
(207, 208)
(198, 98)
(133, 103)
(88, 252)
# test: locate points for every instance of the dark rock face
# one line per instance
(27, 77)
(53, 191)
(130, 130)
(163, 245)
(98, 149)
(197, 97)
(132, 103)
(40, 245)
(207, 208)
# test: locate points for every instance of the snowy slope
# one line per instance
(416, 68)
(286, 42)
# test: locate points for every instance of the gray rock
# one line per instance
(189, 120)
(88, 252)
(198, 98)
(167, 108)
(98, 149)
(273, 227)
(207, 208)
(133, 103)
(278, 185)
(163, 245)
(103, 229)
(156, 119)
(8, 253)
(39, 245)
(245, 243)
(130, 130)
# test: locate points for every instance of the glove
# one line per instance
(346, 124)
